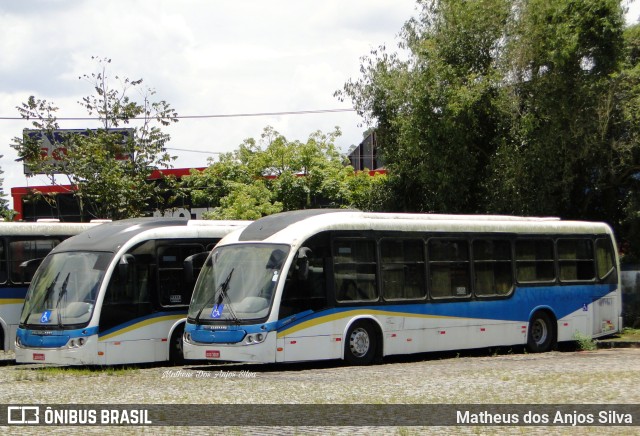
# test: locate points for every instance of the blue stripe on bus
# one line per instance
(52, 338)
(562, 300)
(13, 293)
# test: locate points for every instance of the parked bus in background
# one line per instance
(22, 248)
(117, 293)
(320, 284)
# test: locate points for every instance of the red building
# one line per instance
(57, 202)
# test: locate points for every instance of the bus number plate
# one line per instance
(213, 354)
(38, 356)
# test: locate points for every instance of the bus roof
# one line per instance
(111, 236)
(302, 224)
(42, 228)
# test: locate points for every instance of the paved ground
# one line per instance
(511, 377)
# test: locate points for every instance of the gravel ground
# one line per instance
(568, 377)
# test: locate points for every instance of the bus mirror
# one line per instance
(123, 266)
(192, 264)
(28, 268)
(302, 263)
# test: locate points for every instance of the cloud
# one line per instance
(201, 56)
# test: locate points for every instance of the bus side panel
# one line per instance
(321, 347)
(317, 340)
(454, 333)
(576, 322)
(129, 351)
(146, 340)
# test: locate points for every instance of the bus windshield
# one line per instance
(64, 290)
(237, 282)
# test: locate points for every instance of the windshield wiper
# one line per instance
(47, 293)
(223, 294)
(63, 292)
(223, 289)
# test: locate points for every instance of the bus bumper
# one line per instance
(83, 355)
(258, 353)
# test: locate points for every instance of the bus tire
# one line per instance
(361, 343)
(541, 335)
(176, 356)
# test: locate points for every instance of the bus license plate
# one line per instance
(213, 354)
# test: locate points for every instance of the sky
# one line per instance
(204, 57)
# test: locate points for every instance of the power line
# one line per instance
(194, 151)
(238, 115)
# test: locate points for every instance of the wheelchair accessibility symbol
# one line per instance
(46, 317)
(217, 310)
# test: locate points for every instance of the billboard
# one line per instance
(53, 148)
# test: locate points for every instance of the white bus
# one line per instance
(22, 248)
(320, 284)
(116, 294)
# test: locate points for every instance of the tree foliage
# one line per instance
(499, 106)
(108, 173)
(273, 174)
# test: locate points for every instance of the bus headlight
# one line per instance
(18, 341)
(255, 338)
(76, 342)
(186, 337)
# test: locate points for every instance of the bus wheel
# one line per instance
(176, 357)
(541, 336)
(360, 348)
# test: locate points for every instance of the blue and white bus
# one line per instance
(321, 284)
(22, 248)
(117, 293)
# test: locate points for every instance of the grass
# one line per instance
(44, 373)
(585, 343)
(630, 334)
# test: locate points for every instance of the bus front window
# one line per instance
(237, 282)
(64, 289)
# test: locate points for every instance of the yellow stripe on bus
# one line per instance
(11, 300)
(141, 324)
(339, 315)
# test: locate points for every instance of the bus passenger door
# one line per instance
(305, 290)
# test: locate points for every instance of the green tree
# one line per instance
(563, 58)
(273, 174)
(109, 174)
(437, 108)
(624, 159)
(245, 202)
(504, 106)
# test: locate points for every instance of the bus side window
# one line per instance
(173, 289)
(492, 267)
(3, 263)
(575, 260)
(24, 256)
(535, 260)
(605, 261)
(355, 269)
(402, 268)
(449, 268)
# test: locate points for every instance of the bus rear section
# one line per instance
(118, 294)
(361, 286)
